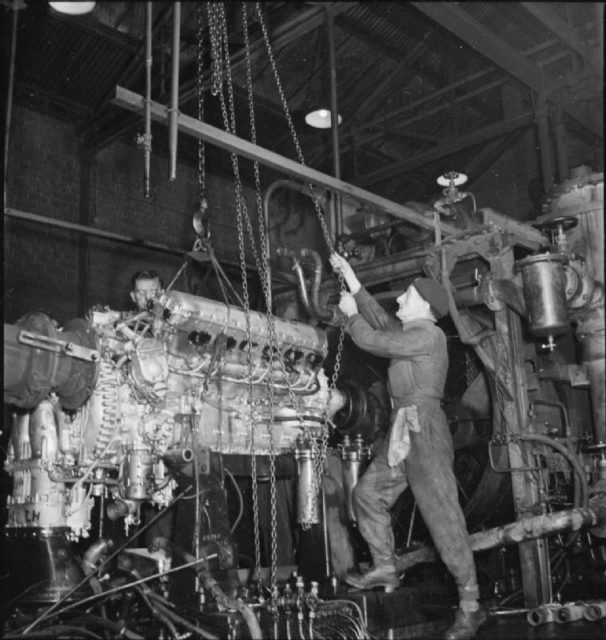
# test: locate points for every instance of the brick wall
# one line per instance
(40, 268)
(44, 264)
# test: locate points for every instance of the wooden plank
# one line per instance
(201, 130)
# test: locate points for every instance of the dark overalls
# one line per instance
(417, 374)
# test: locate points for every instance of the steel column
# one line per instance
(544, 142)
(534, 558)
(560, 145)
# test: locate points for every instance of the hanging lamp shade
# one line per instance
(73, 8)
(320, 118)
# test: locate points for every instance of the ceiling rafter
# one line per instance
(564, 31)
(390, 82)
(396, 54)
(369, 137)
(289, 31)
(448, 147)
(474, 34)
(135, 66)
(444, 90)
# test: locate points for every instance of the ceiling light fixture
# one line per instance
(321, 118)
(73, 8)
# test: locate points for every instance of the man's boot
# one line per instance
(383, 575)
(466, 624)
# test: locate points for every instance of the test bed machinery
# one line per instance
(187, 471)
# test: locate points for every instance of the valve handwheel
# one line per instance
(453, 178)
(561, 222)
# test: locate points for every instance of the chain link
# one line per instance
(266, 284)
(203, 202)
(291, 125)
(220, 61)
(318, 455)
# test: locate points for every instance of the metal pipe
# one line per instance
(147, 138)
(16, 5)
(516, 532)
(290, 184)
(544, 614)
(570, 613)
(324, 315)
(336, 209)
(595, 611)
(100, 233)
(334, 112)
(173, 112)
(94, 553)
(300, 276)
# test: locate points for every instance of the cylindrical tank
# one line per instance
(544, 286)
(308, 509)
(138, 473)
(582, 196)
(351, 455)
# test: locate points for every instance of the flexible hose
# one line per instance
(208, 582)
(156, 611)
(571, 457)
(180, 620)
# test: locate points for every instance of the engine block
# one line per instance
(191, 373)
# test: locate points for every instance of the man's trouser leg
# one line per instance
(429, 469)
(376, 492)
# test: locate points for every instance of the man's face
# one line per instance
(412, 305)
(144, 289)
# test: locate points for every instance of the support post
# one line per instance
(336, 209)
(542, 122)
(560, 144)
(534, 558)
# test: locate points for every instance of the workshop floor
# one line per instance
(506, 628)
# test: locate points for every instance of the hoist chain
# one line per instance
(220, 34)
(266, 285)
(203, 202)
(319, 460)
(291, 126)
(215, 11)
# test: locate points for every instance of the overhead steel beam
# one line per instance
(564, 31)
(201, 130)
(447, 148)
(473, 33)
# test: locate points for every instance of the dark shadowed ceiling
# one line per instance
(422, 87)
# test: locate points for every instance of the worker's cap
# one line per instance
(434, 293)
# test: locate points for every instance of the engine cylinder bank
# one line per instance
(544, 283)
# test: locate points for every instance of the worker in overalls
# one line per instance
(418, 451)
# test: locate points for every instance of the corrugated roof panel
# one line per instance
(76, 64)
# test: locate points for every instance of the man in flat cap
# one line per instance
(418, 451)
